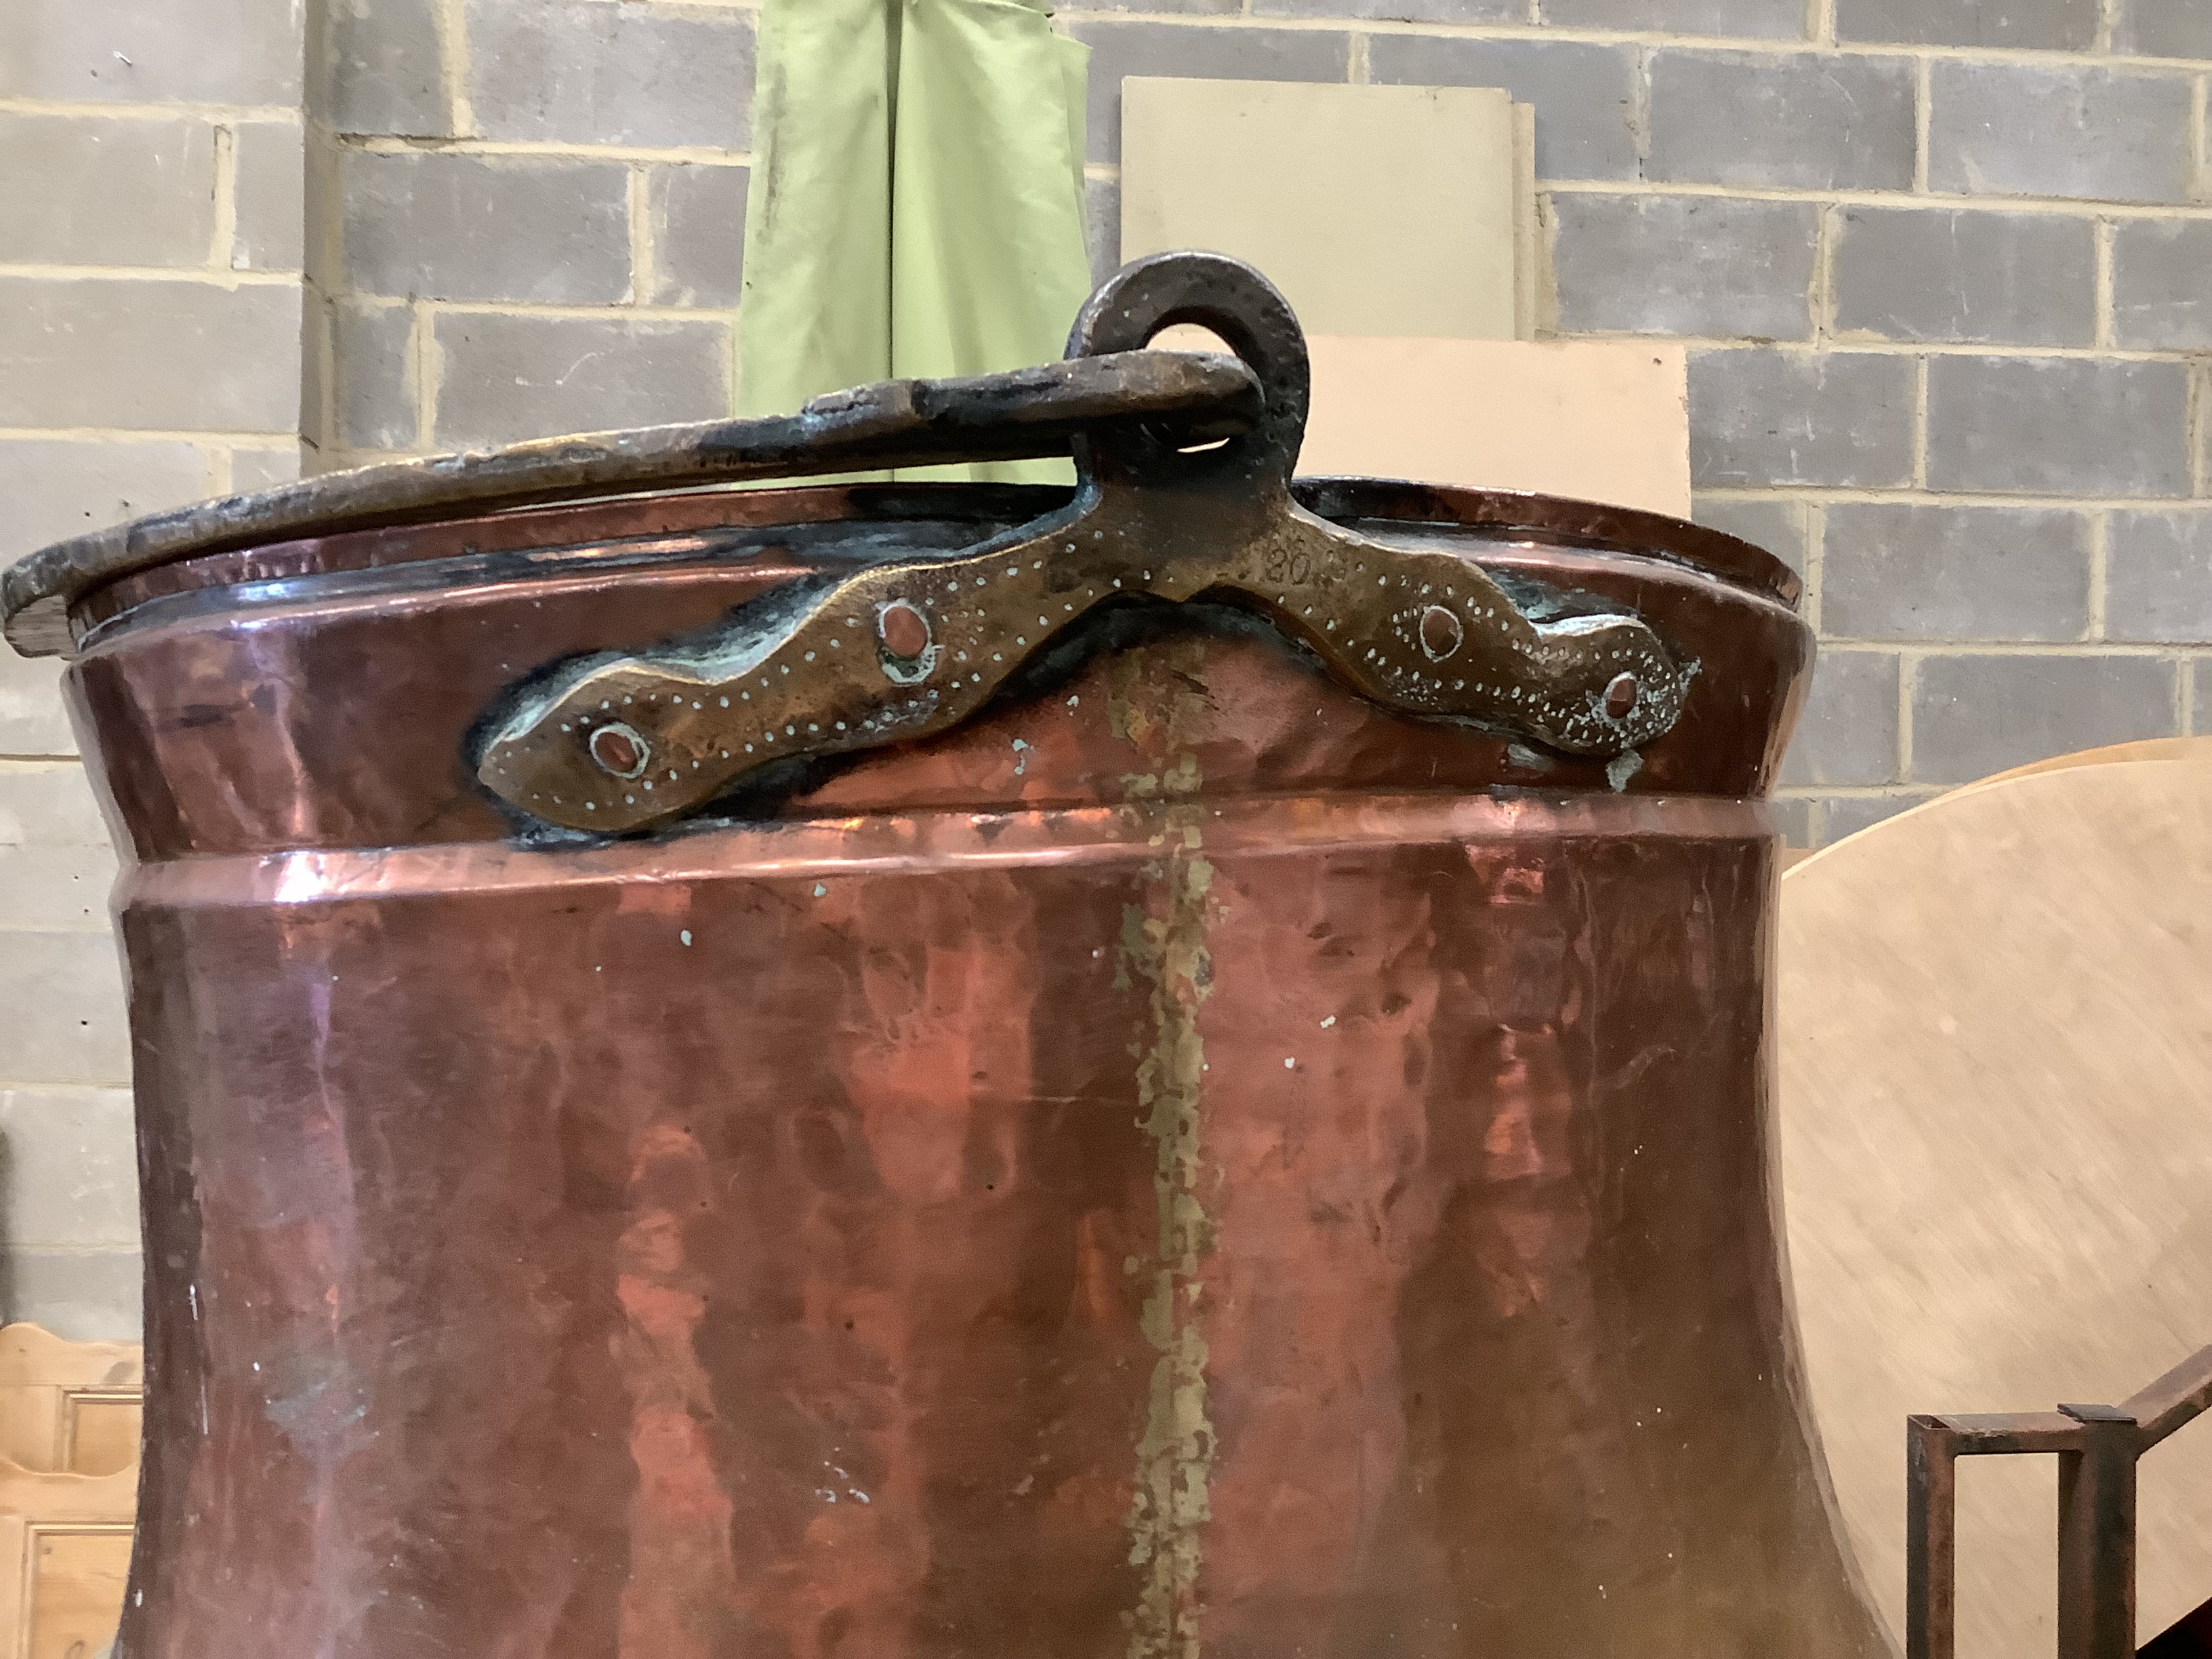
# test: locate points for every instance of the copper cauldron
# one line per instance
(903, 1072)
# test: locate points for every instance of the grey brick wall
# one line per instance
(1964, 275)
(526, 217)
(151, 211)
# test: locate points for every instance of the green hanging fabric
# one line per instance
(916, 206)
(816, 308)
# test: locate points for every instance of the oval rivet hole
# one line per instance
(620, 749)
(1440, 632)
(903, 631)
(1621, 696)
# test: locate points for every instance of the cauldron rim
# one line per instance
(42, 589)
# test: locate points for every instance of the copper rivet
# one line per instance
(618, 749)
(1621, 696)
(904, 629)
(1440, 632)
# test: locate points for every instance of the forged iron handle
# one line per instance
(1021, 415)
(905, 649)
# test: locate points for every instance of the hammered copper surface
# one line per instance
(1187, 1164)
(812, 1238)
(1224, 1248)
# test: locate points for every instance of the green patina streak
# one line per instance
(1166, 950)
(1155, 695)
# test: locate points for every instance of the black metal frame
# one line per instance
(2097, 1447)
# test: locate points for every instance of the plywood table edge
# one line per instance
(2021, 777)
(2194, 751)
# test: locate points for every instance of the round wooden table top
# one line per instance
(1996, 1133)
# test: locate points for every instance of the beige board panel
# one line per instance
(77, 1578)
(1596, 420)
(64, 1553)
(17, 1568)
(1376, 209)
(46, 1496)
(31, 1429)
(1527, 228)
(102, 1432)
(31, 1355)
(42, 1377)
(1995, 1051)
